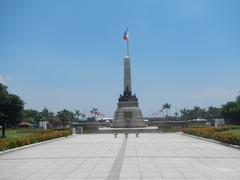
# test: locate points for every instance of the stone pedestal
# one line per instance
(128, 117)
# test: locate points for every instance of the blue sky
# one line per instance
(69, 54)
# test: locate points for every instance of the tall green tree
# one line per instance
(46, 115)
(231, 111)
(184, 114)
(11, 107)
(30, 115)
(200, 113)
(214, 112)
(65, 117)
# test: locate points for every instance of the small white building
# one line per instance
(44, 124)
(105, 120)
(219, 122)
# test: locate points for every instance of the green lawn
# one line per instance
(226, 134)
(236, 132)
(20, 132)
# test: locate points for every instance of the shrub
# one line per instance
(35, 136)
(218, 134)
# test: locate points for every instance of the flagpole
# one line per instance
(125, 37)
(127, 48)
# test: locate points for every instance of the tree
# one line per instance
(94, 113)
(195, 113)
(184, 114)
(77, 113)
(46, 115)
(214, 113)
(199, 113)
(79, 116)
(30, 115)
(65, 117)
(11, 107)
(167, 107)
(176, 114)
(83, 116)
(231, 111)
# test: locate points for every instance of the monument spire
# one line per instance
(127, 67)
(127, 75)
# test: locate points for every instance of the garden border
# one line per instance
(213, 141)
(34, 144)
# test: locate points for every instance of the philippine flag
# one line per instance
(125, 35)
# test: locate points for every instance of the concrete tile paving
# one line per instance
(102, 157)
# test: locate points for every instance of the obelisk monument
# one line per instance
(128, 114)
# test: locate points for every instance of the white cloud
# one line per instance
(4, 79)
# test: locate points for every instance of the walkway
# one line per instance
(102, 157)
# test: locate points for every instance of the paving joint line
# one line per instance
(110, 157)
(117, 165)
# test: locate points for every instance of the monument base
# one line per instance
(128, 114)
(128, 117)
(108, 130)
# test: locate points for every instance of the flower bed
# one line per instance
(219, 134)
(34, 137)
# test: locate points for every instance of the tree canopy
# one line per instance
(201, 113)
(11, 107)
(231, 111)
(65, 117)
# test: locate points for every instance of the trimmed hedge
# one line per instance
(217, 134)
(36, 136)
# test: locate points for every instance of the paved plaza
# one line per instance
(102, 157)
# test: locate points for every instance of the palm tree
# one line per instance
(176, 114)
(77, 113)
(184, 113)
(94, 112)
(167, 107)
